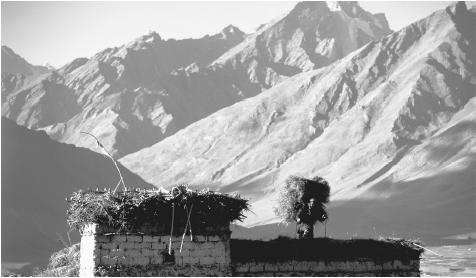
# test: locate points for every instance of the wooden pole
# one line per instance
(186, 225)
(171, 229)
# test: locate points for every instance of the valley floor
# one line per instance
(453, 260)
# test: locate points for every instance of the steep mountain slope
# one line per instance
(13, 63)
(391, 119)
(312, 35)
(135, 95)
(16, 72)
(37, 175)
(114, 93)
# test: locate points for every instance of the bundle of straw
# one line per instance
(298, 191)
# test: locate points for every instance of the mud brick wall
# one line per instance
(103, 254)
(328, 268)
(106, 253)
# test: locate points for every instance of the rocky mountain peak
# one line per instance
(232, 31)
(372, 123)
(12, 63)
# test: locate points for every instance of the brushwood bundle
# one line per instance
(132, 210)
(298, 191)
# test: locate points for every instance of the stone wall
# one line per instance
(106, 253)
(147, 255)
(329, 268)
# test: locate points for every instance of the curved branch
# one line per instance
(110, 156)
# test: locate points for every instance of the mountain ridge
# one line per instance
(135, 95)
(380, 103)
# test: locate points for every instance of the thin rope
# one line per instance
(186, 225)
(296, 229)
(325, 228)
(171, 229)
(427, 249)
(190, 226)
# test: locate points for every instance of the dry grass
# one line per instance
(130, 210)
(297, 191)
(64, 263)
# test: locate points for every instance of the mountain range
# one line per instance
(137, 94)
(399, 109)
(387, 117)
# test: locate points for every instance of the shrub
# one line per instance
(64, 263)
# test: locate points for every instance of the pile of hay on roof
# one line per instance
(133, 210)
(298, 191)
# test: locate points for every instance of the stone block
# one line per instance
(319, 266)
(150, 252)
(210, 245)
(110, 245)
(119, 238)
(126, 245)
(199, 238)
(194, 260)
(192, 246)
(158, 246)
(257, 267)
(218, 253)
(371, 266)
(213, 238)
(207, 260)
(184, 253)
(132, 253)
(104, 252)
(399, 265)
(242, 267)
(270, 267)
(221, 260)
(302, 266)
(141, 260)
(178, 260)
(121, 260)
(146, 238)
(186, 260)
(134, 238)
(129, 260)
(107, 260)
(157, 259)
(283, 274)
(201, 253)
(221, 246)
(141, 245)
(116, 253)
(387, 265)
(187, 246)
(102, 238)
(285, 266)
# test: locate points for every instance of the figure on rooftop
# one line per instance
(303, 201)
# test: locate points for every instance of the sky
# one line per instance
(58, 32)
